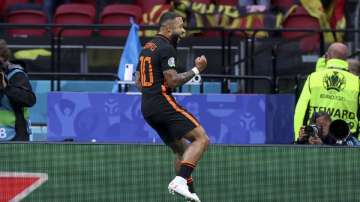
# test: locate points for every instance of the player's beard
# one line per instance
(174, 39)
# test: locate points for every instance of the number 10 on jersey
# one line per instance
(146, 71)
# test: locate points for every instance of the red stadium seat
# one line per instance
(92, 2)
(74, 13)
(300, 19)
(5, 4)
(10, 3)
(203, 1)
(26, 17)
(2, 7)
(119, 14)
(147, 5)
(227, 2)
(13, 2)
(84, 1)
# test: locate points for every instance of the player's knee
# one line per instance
(178, 156)
(204, 140)
(202, 137)
(178, 153)
(179, 147)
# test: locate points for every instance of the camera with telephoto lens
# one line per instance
(312, 130)
(340, 130)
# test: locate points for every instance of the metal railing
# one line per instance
(226, 43)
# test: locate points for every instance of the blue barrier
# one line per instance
(87, 86)
(227, 118)
(38, 113)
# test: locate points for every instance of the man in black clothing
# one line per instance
(15, 96)
(321, 134)
(156, 76)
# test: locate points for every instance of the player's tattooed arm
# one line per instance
(174, 79)
(138, 81)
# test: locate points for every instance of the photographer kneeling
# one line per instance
(318, 131)
(324, 131)
(15, 96)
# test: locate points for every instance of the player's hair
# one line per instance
(4, 50)
(167, 17)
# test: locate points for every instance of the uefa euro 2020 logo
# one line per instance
(334, 81)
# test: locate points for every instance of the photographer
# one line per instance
(15, 95)
(334, 90)
(324, 131)
(318, 131)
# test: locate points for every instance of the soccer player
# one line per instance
(156, 76)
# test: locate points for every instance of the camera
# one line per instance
(340, 130)
(312, 130)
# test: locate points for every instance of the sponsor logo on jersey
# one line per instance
(171, 62)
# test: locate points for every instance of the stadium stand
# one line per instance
(87, 86)
(149, 4)
(203, 1)
(119, 14)
(92, 2)
(75, 13)
(2, 5)
(7, 6)
(8, 3)
(301, 19)
(212, 87)
(283, 5)
(227, 2)
(109, 16)
(26, 17)
(208, 87)
(38, 113)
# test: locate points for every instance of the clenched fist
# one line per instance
(201, 63)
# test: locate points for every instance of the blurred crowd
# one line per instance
(230, 14)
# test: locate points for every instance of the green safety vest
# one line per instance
(7, 115)
(333, 90)
(321, 64)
